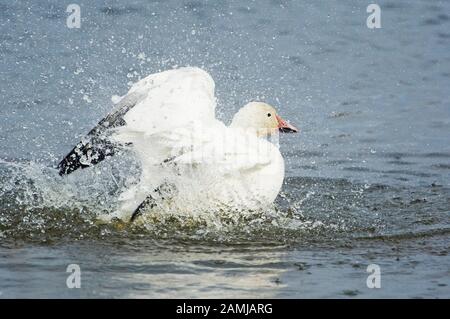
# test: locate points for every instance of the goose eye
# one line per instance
(269, 115)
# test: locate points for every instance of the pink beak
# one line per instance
(285, 127)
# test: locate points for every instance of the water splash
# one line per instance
(39, 205)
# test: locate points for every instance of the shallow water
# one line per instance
(368, 178)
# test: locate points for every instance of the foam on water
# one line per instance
(38, 204)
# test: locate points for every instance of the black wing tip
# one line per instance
(95, 141)
(62, 168)
(65, 171)
(84, 157)
(70, 163)
(65, 168)
(62, 172)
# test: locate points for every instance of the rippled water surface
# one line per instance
(368, 178)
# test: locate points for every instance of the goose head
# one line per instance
(262, 118)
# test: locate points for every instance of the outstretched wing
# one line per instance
(156, 104)
(96, 146)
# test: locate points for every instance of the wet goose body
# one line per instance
(189, 159)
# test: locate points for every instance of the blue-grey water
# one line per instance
(368, 178)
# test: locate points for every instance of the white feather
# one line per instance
(175, 135)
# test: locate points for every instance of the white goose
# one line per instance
(190, 160)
